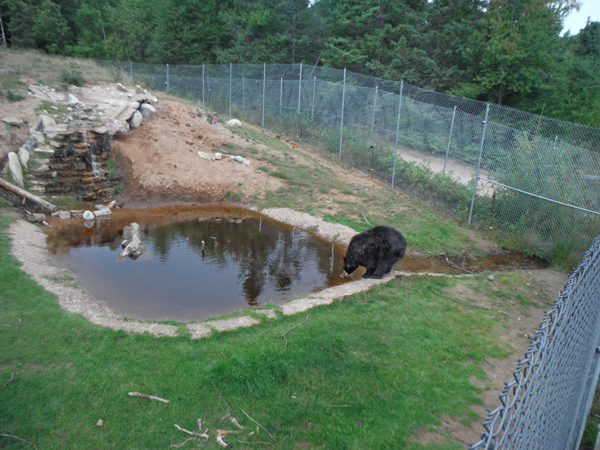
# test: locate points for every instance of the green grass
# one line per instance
(400, 355)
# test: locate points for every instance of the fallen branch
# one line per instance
(221, 442)
(182, 443)
(151, 397)
(226, 432)
(259, 423)
(12, 377)
(230, 408)
(508, 314)
(236, 423)
(365, 219)
(283, 335)
(192, 433)
(488, 361)
(254, 443)
(26, 195)
(44, 341)
(341, 168)
(18, 439)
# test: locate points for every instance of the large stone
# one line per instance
(64, 215)
(132, 244)
(72, 100)
(136, 120)
(134, 105)
(35, 218)
(126, 113)
(234, 123)
(88, 215)
(15, 168)
(13, 121)
(46, 125)
(24, 157)
(147, 110)
(103, 212)
(121, 88)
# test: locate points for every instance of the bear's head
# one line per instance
(350, 264)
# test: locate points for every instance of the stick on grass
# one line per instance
(151, 397)
(283, 335)
(18, 439)
(267, 431)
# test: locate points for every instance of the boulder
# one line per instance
(64, 215)
(132, 242)
(121, 88)
(136, 120)
(46, 125)
(234, 123)
(24, 157)
(13, 121)
(103, 212)
(35, 218)
(140, 90)
(88, 215)
(134, 105)
(72, 100)
(147, 110)
(15, 168)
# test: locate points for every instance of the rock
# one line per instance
(132, 244)
(114, 127)
(64, 215)
(88, 215)
(140, 90)
(134, 105)
(121, 88)
(218, 156)
(136, 120)
(490, 277)
(45, 149)
(234, 123)
(15, 168)
(88, 223)
(35, 218)
(206, 156)
(46, 125)
(77, 213)
(103, 212)
(23, 157)
(72, 100)
(13, 121)
(36, 137)
(147, 110)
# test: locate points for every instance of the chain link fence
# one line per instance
(545, 405)
(526, 176)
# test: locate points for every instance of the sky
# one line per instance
(577, 19)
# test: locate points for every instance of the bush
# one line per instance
(13, 97)
(74, 78)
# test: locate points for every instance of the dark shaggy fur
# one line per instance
(377, 249)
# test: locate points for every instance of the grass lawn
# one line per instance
(398, 356)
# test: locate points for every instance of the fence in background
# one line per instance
(524, 175)
(534, 178)
(545, 405)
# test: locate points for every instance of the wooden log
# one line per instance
(23, 193)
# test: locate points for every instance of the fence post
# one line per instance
(312, 113)
(397, 133)
(373, 118)
(342, 120)
(230, 90)
(449, 137)
(487, 109)
(264, 83)
(299, 92)
(280, 96)
(167, 78)
(203, 85)
(550, 164)
(243, 96)
(130, 69)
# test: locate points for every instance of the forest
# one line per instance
(509, 52)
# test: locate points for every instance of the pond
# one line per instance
(200, 261)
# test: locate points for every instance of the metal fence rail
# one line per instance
(524, 175)
(545, 405)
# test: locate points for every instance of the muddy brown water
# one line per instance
(248, 260)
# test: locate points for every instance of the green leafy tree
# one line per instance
(189, 32)
(51, 30)
(94, 26)
(511, 51)
(20, 22)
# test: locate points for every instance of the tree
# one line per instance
(51, 30)
(511, 51)
(20, 22)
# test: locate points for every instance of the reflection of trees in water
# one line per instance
(275, 255)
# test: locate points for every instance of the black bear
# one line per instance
(377, 249)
